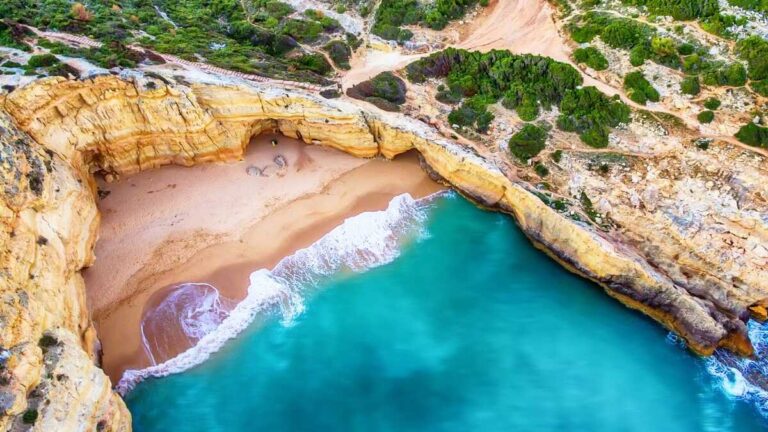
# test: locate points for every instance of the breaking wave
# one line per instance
(187, 313)
(361, 242)
(743, 378)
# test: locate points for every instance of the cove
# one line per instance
(469, 329)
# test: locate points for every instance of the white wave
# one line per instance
(359, 243)
(738, 377)
(188, 312)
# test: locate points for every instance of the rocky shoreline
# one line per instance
(57, 132)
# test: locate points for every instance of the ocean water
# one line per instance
(466, 328)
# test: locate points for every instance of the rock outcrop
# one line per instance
(68, 129)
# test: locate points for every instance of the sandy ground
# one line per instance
(521, 26)
(216, 224)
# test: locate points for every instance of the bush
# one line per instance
(527, 142)
(754, 135)
(683, 10)
(760, 87)
(754, 50)
(690, 85)
(30, 416)
(712, 103)
(685, 49)
(591, 57)
(639, 89)
(706, 116)
(385, 86)
(339, 52)
(541, 169)
(42, 60)
(591, 114)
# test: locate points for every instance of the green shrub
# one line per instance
(541, 169)
(685, 49)
(592, 57)
(591, 114)
(706, 116)
(732, 75)
(639, 89)
(385, 86)
(760, 87)
(683, 10)
(30, 416)
(712, 103)
(339, 52)
(692, 64)
(557, 156)
(528, 142)
(754, 50)
(690, 85)
(313, 62)
(42, 60)
(754, 135)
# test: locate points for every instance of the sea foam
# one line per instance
(743, 378)
(361, 242)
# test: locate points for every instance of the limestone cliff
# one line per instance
(123, 125)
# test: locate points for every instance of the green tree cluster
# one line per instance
(639, 89)
(754, 50)
(526, 83)
(393, 14)
(684, 10)
(592, 57)
(528, 142)
(591, 114)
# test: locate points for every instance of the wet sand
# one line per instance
(217, 223)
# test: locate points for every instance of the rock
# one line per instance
(280, 161)
(253, 170)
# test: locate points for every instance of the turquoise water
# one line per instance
(470, 329)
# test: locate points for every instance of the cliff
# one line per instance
(68, 129)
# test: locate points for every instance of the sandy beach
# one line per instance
(217, 223)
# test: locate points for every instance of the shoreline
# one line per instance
(226, 259)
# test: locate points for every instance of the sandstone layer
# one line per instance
(68, 129)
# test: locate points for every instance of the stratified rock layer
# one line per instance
(124, 125)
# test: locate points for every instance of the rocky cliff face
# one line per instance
(68, 129)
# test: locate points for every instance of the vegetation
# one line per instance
(42, 60)
(639, 89)
(339, 52)
(706, 116)
(690, 85)
(385, 90)
(526, 83)
(754, 50)
(591, 114)
(251, 36)
(731, 75)
(753, 135)
(541, 169)
(527, 142)
(760, 87)
(683, 10)
(592, 57)
(392, 14)
(30, 416)
(712, 103)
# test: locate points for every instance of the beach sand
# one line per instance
(217, 223)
